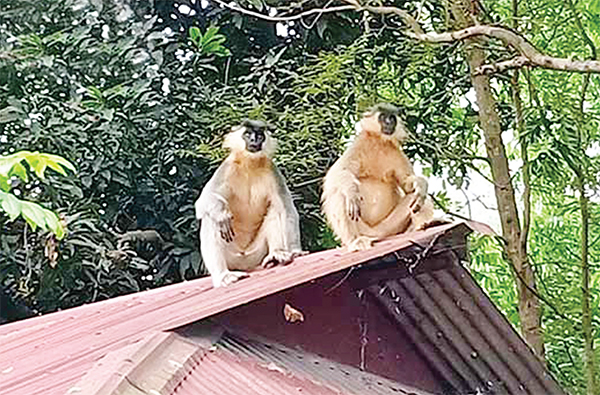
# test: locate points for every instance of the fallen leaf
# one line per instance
(291, 314)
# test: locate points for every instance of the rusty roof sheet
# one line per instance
(49, 354)
(238, 364)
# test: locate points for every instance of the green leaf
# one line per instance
(20, 171)
(195, 34)
(209, 34)
(210, 48)
(4, 185)
(222, 51)
(11, 205)
(258, 4)
(33, 214)
(53, 224)
(95, 93)
(38, 216)
(38, 164)
(217, 40)
(57, 163)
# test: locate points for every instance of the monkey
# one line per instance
(143, 243)
(247, 217)
(371, 191)
(146, 244)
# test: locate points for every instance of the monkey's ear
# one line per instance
(236, 128)
(402, 112)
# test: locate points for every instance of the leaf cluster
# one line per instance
(35, 215)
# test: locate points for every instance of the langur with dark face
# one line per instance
(246, 211)
(371, 191)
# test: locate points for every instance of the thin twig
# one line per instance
(301, 15)
(308, 182)
(342, 280)
(446, 211)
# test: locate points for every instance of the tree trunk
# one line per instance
(581, 175)
(523, 143)
(588, 350)
(529, 307)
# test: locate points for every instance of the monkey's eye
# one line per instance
(385, 118)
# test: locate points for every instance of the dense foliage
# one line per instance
(138, 97)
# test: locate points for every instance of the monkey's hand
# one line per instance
(225, 224)
(230, 277)
(280, 257)
(361, 243)
(353, 207)
(420, 194)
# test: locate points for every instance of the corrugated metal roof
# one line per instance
(455, 326)
(224, 373)
(242, 365)
(442, 311)
(49, 354)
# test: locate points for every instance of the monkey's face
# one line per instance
(254, 135)
(388, 122)
(385, 119)
(251, 138)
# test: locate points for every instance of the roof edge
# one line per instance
(146, 367)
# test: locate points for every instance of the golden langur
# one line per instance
(371, 191)
(246, 211)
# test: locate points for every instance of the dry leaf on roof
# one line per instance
(291, 314)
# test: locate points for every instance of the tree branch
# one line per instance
(523, 143)
(515, 63)
(529, 55)
(529, 52)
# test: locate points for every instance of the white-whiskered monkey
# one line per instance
(246, 211)
(371, 191)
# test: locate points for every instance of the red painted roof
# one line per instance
(49, 354)
(240, 365)
(243, 377)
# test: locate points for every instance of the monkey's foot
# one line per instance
(361, 243)
(280, 257)
(298, 253)
(228, 278)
